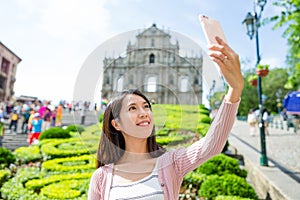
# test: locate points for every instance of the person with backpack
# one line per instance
(26, 116)
(14, 121)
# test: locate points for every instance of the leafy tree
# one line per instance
(272, 88)
(289, 18)
(249, 96)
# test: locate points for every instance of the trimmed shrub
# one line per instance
(27, 154)
(221, 197)
(196, 179)
(75, 128)
(202, 129)
(4, 175)
(6, 157)
(37, 184)
(101, 117)
(220, 165)
(69, 147)
(204, 119)
(67, 189)
(163, 132)
(204, 111)
(170, 140)
(71, 164)
(55, 132)
(14, 188)
(228, 184)
(29, 181)
(202, 106)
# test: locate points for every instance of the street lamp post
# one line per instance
(252, 22)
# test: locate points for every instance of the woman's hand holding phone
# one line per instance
(221, 53)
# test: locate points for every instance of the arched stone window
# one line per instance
(152, 58)
(184, 81)
(152, 42)
(151, 84)
(130, 79)
(196, 81)
(120, 83)
(171, 80)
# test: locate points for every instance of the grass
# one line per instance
(183, 117)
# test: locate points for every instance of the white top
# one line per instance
(265, 116)
(147, 188)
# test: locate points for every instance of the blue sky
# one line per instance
(55, 37)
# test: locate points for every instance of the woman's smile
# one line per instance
(143, 123)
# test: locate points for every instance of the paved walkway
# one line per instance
(282, 146)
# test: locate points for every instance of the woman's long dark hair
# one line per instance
(112, 143)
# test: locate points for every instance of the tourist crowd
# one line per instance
(35, 117)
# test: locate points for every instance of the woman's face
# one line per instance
(135, 117)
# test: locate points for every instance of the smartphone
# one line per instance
(211, 29)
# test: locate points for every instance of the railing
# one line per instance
(276, 122)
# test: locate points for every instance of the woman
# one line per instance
(252, 121)
(267, 119)
(131, 165)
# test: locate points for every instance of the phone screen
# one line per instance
(211, 29)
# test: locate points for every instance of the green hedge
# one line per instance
(37, 184)
(169, 140)
(163, 132)
(71, 164)
(4, 175)
(31, 183)
(204, 111)
(101, 117)
(194, 178)
(55, 132)
(204, 119)
(221, 197)
(220, 165)
(202, 129)
(67, 189)
(14, 188)
(228, 184)
(69, 147)
(75, 128)
(6, 157)
(27, 154)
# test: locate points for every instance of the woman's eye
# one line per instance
(147, 106)
(131, 108)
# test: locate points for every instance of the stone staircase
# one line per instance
(13, 140)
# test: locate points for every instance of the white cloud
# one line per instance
(74, 19)
(273, 62)
(67, 19)
(59, 34)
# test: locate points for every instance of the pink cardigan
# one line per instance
(173, 165)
